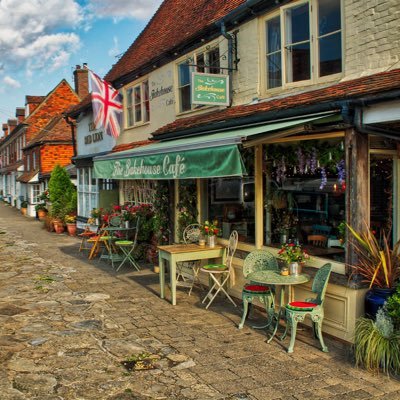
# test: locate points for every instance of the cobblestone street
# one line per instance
(67, 324)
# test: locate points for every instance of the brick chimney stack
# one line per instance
(12, 123)
(20, 114)
(31, 102)
(5, 130)
(81, 78)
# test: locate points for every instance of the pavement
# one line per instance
(75, 329)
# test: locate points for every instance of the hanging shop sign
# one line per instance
(210, 89)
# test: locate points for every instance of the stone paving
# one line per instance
(67, 325)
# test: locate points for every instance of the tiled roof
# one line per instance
(27, 176)
(56, 130)
(175, 22)
(34, 99)
(132, 145)
(76, 109)
(347, 90)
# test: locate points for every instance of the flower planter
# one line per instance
(58, 226)
(211, 241)
(24, 210)
(375, 299)
(71, 228)
(42, 214)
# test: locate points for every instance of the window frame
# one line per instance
(129, 106)
(314, 47)
(192, 59)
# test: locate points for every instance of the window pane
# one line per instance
(129, 97)
(185, 98)
(273, 35)
(274, 68)
(138, 97)
(304, 192)
(330, 54)
(130, 120)
(299, 67)
(184, 74)
(200, 63)
(213, 61)
(328, 16)
(146, 108)
(297, 24)
(138, 113)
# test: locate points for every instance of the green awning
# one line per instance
(207, 156)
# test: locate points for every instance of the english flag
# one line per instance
(107, 105)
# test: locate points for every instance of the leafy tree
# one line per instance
(61, 191)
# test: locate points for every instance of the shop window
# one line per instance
(208, 62)
(304, 193)
(381, 195)
(87, 192)
(137, 104)
(231, 202)
(305, 38)
(36, 192)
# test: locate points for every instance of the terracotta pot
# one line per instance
(71, 228)
(41, 214)
(58, 226)
(24, 211)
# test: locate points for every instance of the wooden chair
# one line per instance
(317, 240)
(221, 273)
(85, 236)
(296, 311)
(258, 260)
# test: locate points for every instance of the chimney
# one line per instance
(31, 102)
(5, 129)
(81, 77)
(12, 123)
(20, 114)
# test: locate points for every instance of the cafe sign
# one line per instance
(196, 163)
(210, 89)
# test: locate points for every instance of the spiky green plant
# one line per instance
(379, 264)
(377, 344)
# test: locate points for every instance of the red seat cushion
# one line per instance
(256, 288)
(301, 306)
(87, 234)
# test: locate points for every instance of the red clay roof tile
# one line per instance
(352, 89)
(175, 22)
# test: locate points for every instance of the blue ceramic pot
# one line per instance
(375, 298)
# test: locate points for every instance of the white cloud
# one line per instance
(119, 9)
(114, 51)
(11, 82)
(30, 34)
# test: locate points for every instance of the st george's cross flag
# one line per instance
(107, 105)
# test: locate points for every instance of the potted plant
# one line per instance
(294, 256)
(70, 221)
(41, 210)
(24, 207)
(378, 264)
(210, 230)
(96, 215)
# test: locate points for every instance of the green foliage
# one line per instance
(377, 344)
(187, 205)
(162, 215)
(24, 204)
(61, 192)
(393, 308)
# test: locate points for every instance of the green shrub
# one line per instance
(393, 308)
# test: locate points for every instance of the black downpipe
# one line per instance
(72, 125)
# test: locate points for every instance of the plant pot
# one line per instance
(58, 226)
(295, 268)
(211, 241)
(97, 221)
(42, 214)
(24, 210)
(71, 228)
(375, 298)
(126, 224)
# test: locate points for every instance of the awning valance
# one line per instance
(207, 156)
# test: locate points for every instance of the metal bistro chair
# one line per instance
(296, 311)
(107, 238)
(127, 247)
(221, 273)
(258, 260)
(188, 271)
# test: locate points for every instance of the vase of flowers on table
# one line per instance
(294, 256)
(210, 230)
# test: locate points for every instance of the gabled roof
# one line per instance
(131, 145)
(175, 22)
(347, 90)
(57, 130)
(85, 104)
(27, 176)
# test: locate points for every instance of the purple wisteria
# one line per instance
(341, 172)
(324, 180)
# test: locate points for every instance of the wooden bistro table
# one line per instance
(275, 278)
(183, 252)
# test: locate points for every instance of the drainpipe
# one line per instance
(72, 125)
(229, 37)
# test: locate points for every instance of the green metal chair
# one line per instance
(258, 260)
(296, 311)
(127, 248)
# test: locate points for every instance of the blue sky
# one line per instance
(41, 41)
